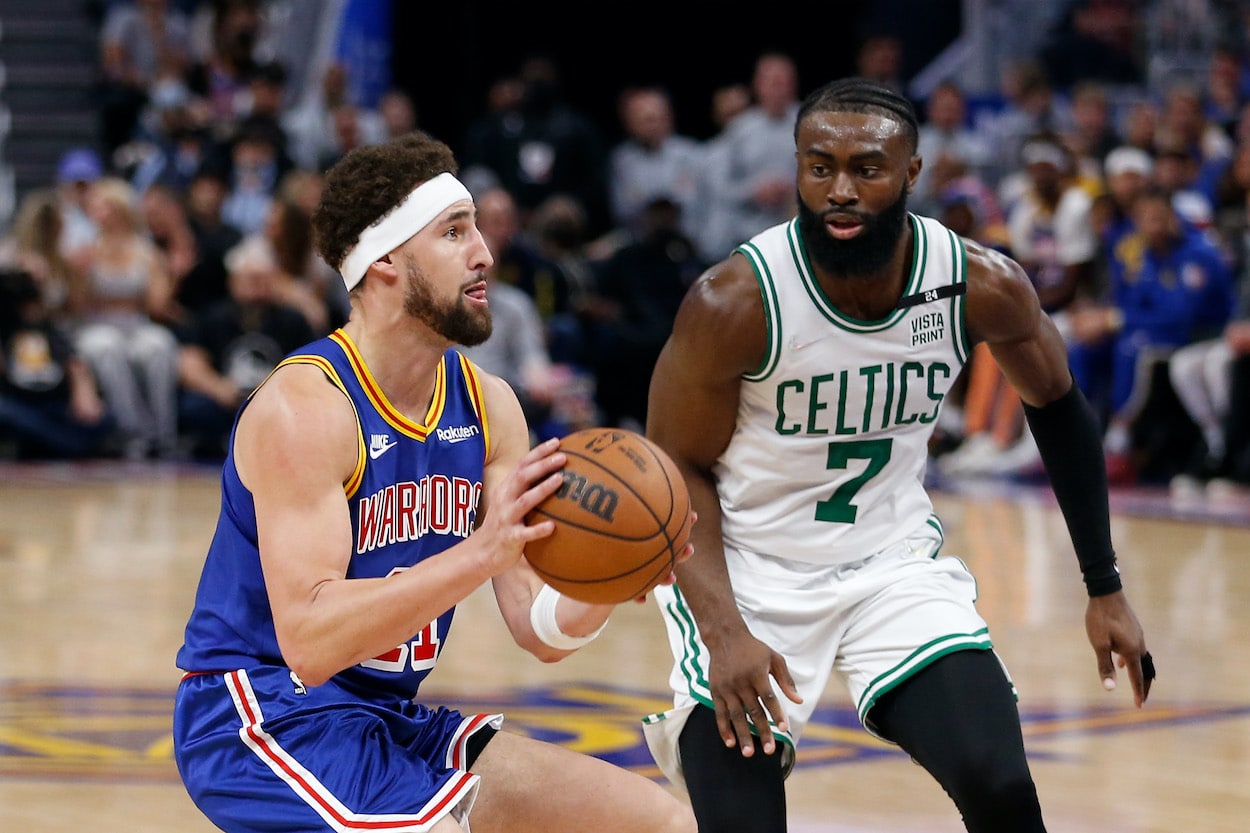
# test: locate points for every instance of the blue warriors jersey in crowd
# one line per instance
(414, 493)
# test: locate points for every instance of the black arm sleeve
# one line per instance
(1070, 442)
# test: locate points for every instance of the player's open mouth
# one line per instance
(843, 228)
(477, 292)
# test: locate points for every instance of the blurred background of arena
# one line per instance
(194, 133)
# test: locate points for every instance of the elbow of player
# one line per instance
(310, 667)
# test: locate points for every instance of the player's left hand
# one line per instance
(1114, 631)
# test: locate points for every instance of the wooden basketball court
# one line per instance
(98, 565)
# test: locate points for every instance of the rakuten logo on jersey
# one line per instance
(457, 434)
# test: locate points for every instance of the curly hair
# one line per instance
(368, 183)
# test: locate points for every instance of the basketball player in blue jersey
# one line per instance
(374, 481)
(798, 391)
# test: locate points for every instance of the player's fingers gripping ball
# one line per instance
(622, 518)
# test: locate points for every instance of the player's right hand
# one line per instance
(504, 531)
(740, 674)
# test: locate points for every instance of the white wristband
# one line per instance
(547, 629)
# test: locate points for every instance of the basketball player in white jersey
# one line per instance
(798, 392)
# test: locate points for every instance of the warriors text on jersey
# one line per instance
(414, 493)
(827, 463)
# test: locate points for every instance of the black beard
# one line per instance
(863, 256)
(453, 320)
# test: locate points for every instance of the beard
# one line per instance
(453, 320)
(862, 256)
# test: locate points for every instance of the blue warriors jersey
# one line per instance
(413, 494)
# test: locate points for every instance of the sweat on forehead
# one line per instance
(858, 95)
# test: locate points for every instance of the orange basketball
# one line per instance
(622, 516)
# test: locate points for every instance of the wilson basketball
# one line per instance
(622, 516)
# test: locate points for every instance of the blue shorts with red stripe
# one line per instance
(259, 751)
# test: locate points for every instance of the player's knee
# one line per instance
(993, 798)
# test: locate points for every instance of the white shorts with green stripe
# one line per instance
(874, 622)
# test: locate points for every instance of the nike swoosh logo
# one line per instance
(377, 451)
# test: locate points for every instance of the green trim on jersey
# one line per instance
(920, 255)
(922, 657)
(772, 312)
(959, 274)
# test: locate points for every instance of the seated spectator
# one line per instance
(125, 289)
(950, 148)
(214, 236)
(33, 246)
(231, 346)
(49, 403)
(76, 172)
(640, 287)
(1170, 287)
(137, 40)
(258, 161)
(518, 260)
(653, 161)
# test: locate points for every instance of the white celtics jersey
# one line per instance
(828, 459)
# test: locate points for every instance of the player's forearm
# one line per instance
(1069, 441)
(703, 579)
(343, 622)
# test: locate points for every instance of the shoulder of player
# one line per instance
(299, 420)
(1001, 297)
(722, 315)
(726, 293)
(508, 427)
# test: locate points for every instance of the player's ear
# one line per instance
(387, 266)
(913, 171)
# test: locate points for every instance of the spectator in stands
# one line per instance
(165, 218)
(880, 59)
(222, 76)
(1170, 287)
(33, 246)
(138, 40)
(125, 287)
(258, 160)
(543, 146)
(518, 260)
(653, 160)
(558, 229)
(557, 398)
(754, 184)
(716, 213)
(1184, 126)
(1176, 172)
(1094, 40)
(642, 284)
(49, 403)
(76, 173)
(327, 122)
(1030, 106)
(288, 235)
(231, 346)
(949, 147)
(214, 236)
(1051, 236)
(1092, 134)
(398, 113)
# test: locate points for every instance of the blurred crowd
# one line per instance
(160, 277)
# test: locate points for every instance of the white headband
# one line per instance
(427, 201)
